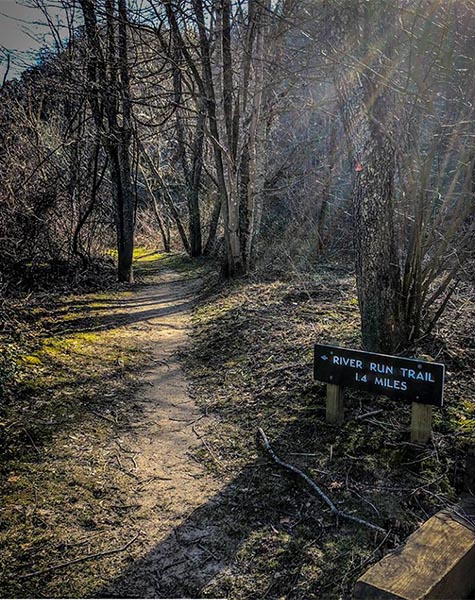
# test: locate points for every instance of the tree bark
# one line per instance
(123, 198)
(109, 96)
(366, 107)
(213, 227)
(194, 185)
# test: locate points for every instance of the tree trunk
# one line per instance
(367, 108)
(377, 265)
(111, 106)
(164, 232)
(213, 226)
(233, 266)
(327, 186)
(377, 270)
(195, 183)
(124, 203)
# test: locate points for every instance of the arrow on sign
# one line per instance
(324, 357)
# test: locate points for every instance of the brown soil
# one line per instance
(128, 471)
(164, 443)
(174, 483)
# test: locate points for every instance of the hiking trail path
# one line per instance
(163, 440)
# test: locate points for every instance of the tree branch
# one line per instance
(315, 488)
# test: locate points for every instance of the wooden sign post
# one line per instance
(418, 381)
(335, 404)
(421, 422)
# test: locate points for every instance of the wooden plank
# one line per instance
(421, 422)
(335, 404)
(437, 561)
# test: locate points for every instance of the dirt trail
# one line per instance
(163, 442)
(114, 499)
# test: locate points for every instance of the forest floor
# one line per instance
(99, 446)
(121, 480)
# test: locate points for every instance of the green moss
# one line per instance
(149, 262)
(143, 255)
(31, 359)
(180, 262)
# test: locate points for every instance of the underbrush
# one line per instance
(56, 277)
(251, 364)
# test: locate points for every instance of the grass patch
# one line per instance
(251, 363)
(73, 366)
(149, 262)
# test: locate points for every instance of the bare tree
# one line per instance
(235, 45)
(111, 106)
(391, 80)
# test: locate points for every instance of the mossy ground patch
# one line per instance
(77, 360)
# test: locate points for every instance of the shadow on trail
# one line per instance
(262, 535)
(194, 552)
(207, 540)
(84, 372)
(259, 500)
(116, 313)
(262, 531)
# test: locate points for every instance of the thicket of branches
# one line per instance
(252, 130)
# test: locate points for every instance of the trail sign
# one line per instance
(415, 380)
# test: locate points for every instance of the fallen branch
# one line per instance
(81, 559)
(105, 417)
(314, 486)
(369, 414)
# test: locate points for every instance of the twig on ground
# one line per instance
(193, 457)
(369, 414)
(123, 469)
(315, 487)
(208, 551)
(212, 454)
(105, 417)
(32, 442)
(125, 449)
(133, 461)
(81, 559)
(202, 439)
(198, 435)
(198, 419)
(173, 564)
